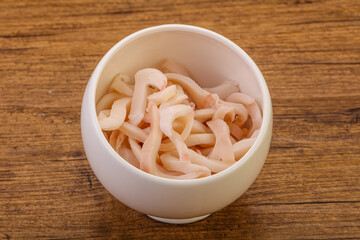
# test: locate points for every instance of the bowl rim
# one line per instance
(266, 110)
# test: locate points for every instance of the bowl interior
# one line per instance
(209, 57)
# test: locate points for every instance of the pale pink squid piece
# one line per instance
(170, 66)
(200, 96)
(133, 132)
(117, 115)
(197, 127)
(204, 114)
(255, 134)
(240, 111)
(199, 131)
(103, 114)
(203, 139)
(213, 165)
(151, 145)
(200, 139)
(241, 147)
(192, 105)
(107, 135)
(252, 108)
(135, 148)
(116, 140)
(146, 117)
(236, 131)
(223, 148)
(107, 101)
(128, 155)
(233, 141)
(143, 79)
(147, 130)
(162, 96)
(224, 112)
(242, 98)
(206, 151)
(167, 117)
(171, 113)
(224, 89)
(120, 85)
(187, 176)
(172, 163)
(256, 117)
(149, 151)
(157, 169)
(179, 98)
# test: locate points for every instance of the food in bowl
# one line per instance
(165, 124)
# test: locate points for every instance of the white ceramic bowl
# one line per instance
(210, 58)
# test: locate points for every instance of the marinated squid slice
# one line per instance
(179, 126)
(107, 101)
(256, 117)
(135, 148)
(224, 112)
(117, 115)
(236, 131)
(192, 140)
(147, 118)
(206, 151)
(150, 149)
(255, 134)
(204, 114)
(215, 166)
(103, 114)
(107, 134)
(200, 96)
(197, 126)
(120, 85)
(147, 130)
(133, 132)
(179, 98)
(143, 79)
(192, 105)
(224, 89)
(128, 155)
(151, 144)
(167, 117)
(179, 88)
(170, 66)
(242, 98)
(187, 176)
(200, 139)
(116, 138)
(223, 148)
(162, 96)
(241, 147)
(172, 163)
(233, 141)
(241, 112)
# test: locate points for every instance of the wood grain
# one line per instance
(309, 53)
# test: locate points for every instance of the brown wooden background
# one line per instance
(308, 51)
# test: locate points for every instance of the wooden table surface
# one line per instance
(309, 53)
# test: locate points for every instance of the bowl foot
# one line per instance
(179, 221)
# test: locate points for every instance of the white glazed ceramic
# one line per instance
(210, 58)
